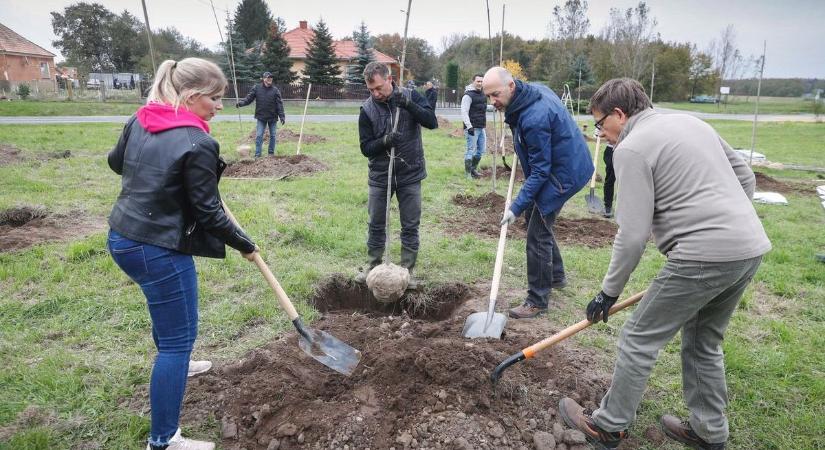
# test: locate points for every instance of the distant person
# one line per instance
(132, 82)
(681, 181)
(168, 210)
(556, 164)
(410, 84)
(474, 116)
(268, 107)
(375, 129)
(431, 93)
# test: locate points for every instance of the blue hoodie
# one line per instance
(551, 149)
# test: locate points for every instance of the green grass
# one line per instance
(745, 105)
(74, 337)
(89, 108)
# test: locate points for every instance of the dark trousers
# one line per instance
(544, 261)
(610, 177)
(409, 206)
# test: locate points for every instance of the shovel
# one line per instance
(322, 346)
(491, 324)
(594, 203)
(531, 351)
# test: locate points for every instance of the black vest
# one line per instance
(478, 108)
(409, 155)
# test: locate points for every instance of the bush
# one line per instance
(23, 91)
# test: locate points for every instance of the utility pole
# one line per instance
(756, 109)
(149, 36)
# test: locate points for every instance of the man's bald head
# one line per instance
(498, 84)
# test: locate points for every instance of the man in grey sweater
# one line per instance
(681, 181)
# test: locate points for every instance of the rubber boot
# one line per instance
(468, 168)
(374, 257)
(408, 258)
(473, 171)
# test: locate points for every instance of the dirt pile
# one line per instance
(419, 385)
(278, 167)
(24, 226)
(766, 183)
(284, 135)
(481, 216)
(9, 155)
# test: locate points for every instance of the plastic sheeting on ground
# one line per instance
(771, 198)
(746, 154)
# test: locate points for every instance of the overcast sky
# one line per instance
(794, 29)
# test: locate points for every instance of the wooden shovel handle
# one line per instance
(531, 351)
(502, 237)
(283, 299)
(596, 161)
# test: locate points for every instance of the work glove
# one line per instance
(508, 218)
(283, 121)
(471, 131)
(238, 105)
(599, 307)
(251, 256)
(391, 139)
(400, 99)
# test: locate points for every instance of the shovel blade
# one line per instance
(594, 203)
(476, 325)
(330, 351)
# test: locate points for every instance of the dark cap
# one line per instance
(267, 75)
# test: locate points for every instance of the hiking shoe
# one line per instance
(526, 311)
(574, 416)
(608, 213)
(560, 284)
(179, 442)
(198, 367)
(680, 430)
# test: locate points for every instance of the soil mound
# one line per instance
(9, 155)
(482, 214)
(766, 183)
(284, 135)
(24, 226)
(277, 167)
(419, 385)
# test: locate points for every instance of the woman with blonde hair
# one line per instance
(168, 210)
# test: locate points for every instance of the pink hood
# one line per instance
(157, 117)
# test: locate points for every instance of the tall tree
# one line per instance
(580, 70)
(321, 63)
(82, 36)
(252, 19)
(355, 72)
(420, 60)
(632, 32)
(701, 73)
(237, 52)
(275, 56)
(128, 42)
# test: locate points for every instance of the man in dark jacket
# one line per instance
(268, 108)
(432, 94)
(378, 136)
(556, 165)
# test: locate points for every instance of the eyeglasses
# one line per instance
(600, 123)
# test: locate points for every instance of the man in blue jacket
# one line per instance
(556, 164)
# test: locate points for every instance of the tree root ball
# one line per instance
(388, 282)
(243, 150)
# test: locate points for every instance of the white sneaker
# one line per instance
(179, 442)
(198, 367)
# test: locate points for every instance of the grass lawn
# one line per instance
(74, 332)
(745, 105)
(63, 108)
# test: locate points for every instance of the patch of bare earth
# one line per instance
(284, 135)
(24, 226)
(278, 167)
(766, 183)
(481, 215)
(10, 154)
(420, 384)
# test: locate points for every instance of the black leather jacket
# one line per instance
(169, 191)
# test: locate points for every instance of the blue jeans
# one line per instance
(259, 136)
(544, 263)
(476, 144)
(170, 284)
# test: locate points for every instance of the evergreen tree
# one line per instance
(252, 19)
(275, 57)
(580, 63)
(355, 73)
(243, 71)
(321, 65)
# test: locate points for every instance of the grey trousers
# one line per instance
(544, 263)
(698, 298)
(409, 207)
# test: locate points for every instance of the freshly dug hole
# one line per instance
(21, 215)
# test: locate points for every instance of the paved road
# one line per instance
(452, 114)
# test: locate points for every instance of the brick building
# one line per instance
(23, 61)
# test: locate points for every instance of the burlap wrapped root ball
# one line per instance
(388, 282)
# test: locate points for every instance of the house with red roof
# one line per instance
(23, 61)
(346, 51)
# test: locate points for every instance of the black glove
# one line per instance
(471, 131)
(283, 120)
(391, 139)
(400, 99)
(599, 307)
(238, 105)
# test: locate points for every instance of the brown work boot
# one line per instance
(680, 430)
(574, 416)
(526, 311)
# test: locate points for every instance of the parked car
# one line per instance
(704, 99)
(93, 84)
